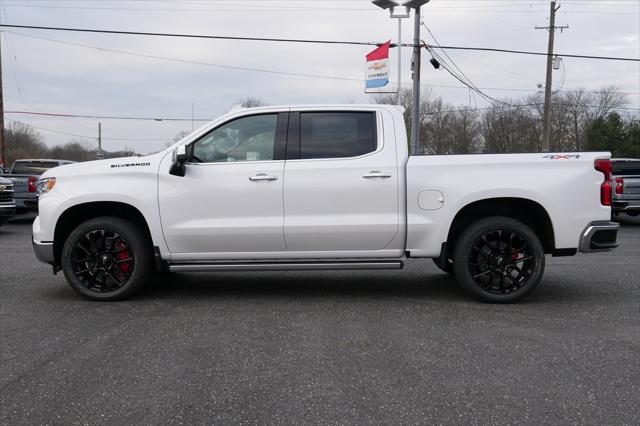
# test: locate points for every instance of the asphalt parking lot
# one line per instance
(397, 347)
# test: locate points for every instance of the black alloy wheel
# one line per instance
(102, 261)
(107, 258)
(499, 259)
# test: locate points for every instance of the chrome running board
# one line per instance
(286, 266)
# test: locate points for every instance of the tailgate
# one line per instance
(20, 183)
(631, 185)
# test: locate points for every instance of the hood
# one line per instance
(145, 163)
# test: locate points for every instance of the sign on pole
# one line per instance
(377, 68)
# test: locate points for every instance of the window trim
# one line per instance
(279, 145)
(294, 135)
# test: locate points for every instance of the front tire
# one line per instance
(498, 260)
(107, 258)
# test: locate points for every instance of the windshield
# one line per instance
(32, 167)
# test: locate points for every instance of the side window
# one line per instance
(243, 139)
(337, 134)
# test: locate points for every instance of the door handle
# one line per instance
(262, 176)
(376, 174)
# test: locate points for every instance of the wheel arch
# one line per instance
(80, 213)
(527, 211)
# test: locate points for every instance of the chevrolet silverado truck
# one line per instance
(7, 203)
(24, 175)
(320, 187)
(626, 180)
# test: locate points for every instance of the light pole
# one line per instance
(391, 5)
(415, 108)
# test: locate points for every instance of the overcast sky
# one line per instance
(49, 76)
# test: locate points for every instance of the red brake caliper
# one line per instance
(124, 254)
(515, 256)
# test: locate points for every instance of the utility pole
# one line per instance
(546, 123)
(415, 108)
(2, 151)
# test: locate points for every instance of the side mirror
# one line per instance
(178, 167)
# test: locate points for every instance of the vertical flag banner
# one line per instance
(377, 67)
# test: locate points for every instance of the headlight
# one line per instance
(45, 185)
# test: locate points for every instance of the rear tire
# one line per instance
(107, 258)
(498, 260)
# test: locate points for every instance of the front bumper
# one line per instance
(27, 203)
(599, 236)
(7, 211)
(44, 251)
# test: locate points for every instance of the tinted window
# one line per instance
(626, 167)
(337, 134)
(32, 167)
(244, 139)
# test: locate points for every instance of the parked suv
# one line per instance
(626, 183)
(7, 203)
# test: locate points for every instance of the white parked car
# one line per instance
(320, 187)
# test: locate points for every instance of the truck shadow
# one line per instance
(302, 285)
(183, 288)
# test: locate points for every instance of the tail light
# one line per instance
(619, 185)
(32, 184)
(604, 166)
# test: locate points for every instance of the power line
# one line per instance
(121, 117)
(463, 78)
(17, 75)
(105, 117)
(87, 136)
(252, 69)
(244, 8)
(202, 36)
(289, 40)
(527, 52)
(187, 61)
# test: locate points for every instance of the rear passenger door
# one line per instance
(341, 183)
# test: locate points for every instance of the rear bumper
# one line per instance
(44, 251)
(599, 236)
(625, 205)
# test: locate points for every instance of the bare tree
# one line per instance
(75, 150)
(465, 132)
(511, 128)
(23, 141)
(252, 102)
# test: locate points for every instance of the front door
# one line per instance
(229, 203)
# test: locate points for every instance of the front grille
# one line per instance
(6, 196)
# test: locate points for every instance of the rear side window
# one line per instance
(337, 134)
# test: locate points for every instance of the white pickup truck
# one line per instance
(320, 187)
